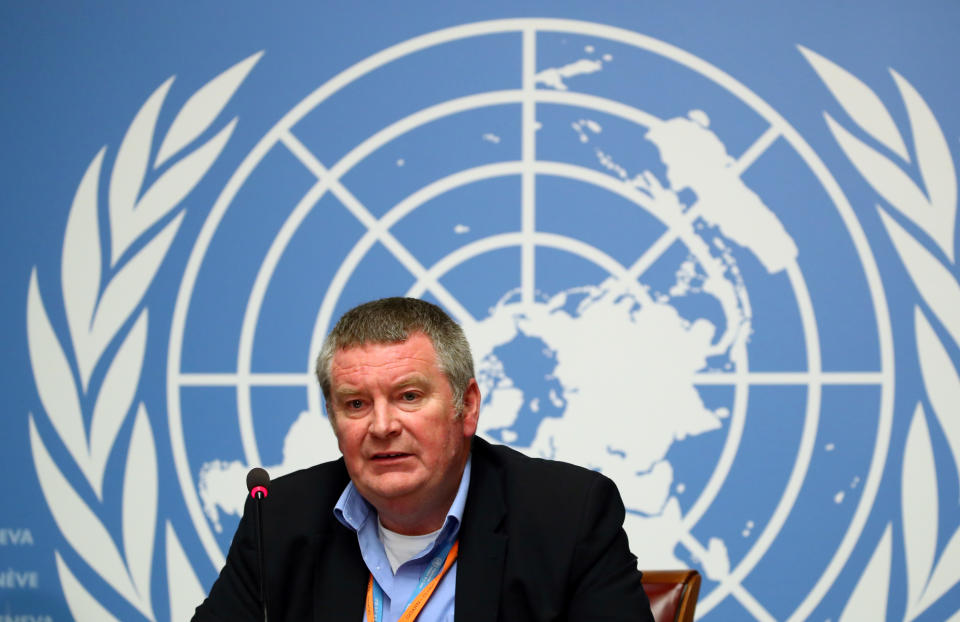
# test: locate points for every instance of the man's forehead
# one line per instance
(416, 350)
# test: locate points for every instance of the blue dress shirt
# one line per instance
(357, 514)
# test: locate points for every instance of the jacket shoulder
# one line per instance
(528, 481)
(517, 464)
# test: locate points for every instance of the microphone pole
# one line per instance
(257, 482)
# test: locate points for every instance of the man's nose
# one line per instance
(385, 422)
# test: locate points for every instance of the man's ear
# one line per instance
(471, 408)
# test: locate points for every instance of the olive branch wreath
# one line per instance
(931, 212)
(102, 290)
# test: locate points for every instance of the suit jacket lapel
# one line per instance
(340, 576)
(482, 544)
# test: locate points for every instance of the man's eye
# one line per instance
(409, 396)
(355, 404)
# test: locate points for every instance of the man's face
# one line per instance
(398, 430)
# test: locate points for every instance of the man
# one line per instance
(419, 516)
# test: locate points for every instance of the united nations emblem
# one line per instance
(664, 285)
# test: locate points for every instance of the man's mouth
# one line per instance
(389, 455)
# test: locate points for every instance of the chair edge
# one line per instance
(690, 579)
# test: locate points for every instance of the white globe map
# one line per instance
(615, 344)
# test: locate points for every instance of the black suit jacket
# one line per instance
(540, 540)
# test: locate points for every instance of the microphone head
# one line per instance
(257, 482)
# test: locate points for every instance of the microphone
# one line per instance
(257, 482)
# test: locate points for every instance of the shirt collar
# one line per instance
(353, 511)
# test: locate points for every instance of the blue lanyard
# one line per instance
(429, 573)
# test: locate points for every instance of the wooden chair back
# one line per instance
(672, 593)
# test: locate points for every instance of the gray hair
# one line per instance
(393, 320)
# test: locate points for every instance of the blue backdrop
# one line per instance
(708, 249)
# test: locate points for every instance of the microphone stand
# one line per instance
(263, 590)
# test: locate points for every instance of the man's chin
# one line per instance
(393, 486)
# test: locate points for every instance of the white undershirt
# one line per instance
(400, 548)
